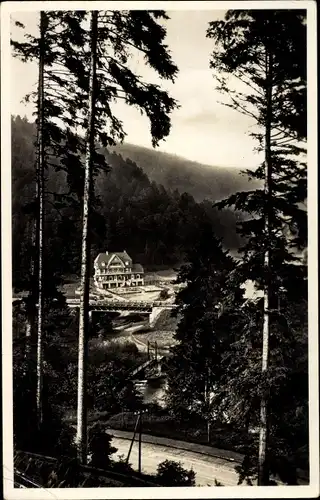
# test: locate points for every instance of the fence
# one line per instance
(34, 470)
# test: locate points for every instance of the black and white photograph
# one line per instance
(159, 249)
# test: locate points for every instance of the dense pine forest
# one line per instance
(156, 225)
(236, 370)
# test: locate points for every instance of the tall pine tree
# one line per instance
(204, 327)
(271, 72)
(84, 315)
(101, 76)
(46, 48)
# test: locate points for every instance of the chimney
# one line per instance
(107, 253)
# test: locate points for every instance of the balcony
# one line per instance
(107, 272)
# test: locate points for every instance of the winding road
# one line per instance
(207, 468)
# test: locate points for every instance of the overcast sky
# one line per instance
(202, 129)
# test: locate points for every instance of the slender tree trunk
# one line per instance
(263, 472)
(207, 401)
(30, 306)
(40, 188)
(29, 328)
(81, 438)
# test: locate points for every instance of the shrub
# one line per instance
(171, 473)
(164, 294)
(121, 466)
(100, 447)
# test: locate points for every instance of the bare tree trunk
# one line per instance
(30, 308)
(81, 438)
(263, 472)
(207, 401)
(40, 188)
(31, 301)
(28, 334)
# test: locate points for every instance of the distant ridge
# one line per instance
(174, 172)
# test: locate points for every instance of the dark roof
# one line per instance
(123, 255)
(106, 257)
(137, 268)
(102, 257)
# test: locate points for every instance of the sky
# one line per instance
(203, 129)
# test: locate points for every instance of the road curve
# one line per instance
(207, 468)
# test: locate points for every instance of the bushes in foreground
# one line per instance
(171, 473)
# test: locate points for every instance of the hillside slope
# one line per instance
(173, 172)
(156, 225)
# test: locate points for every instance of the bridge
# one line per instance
(122, 305)
(152, 369)
(153, 308)
(150, 364)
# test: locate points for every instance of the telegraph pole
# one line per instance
(133, 437)
(138, 426)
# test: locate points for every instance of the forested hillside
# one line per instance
(155, 224)
(235, 371)
(174, 172)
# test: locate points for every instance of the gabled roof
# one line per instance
(106, 257)
(123, 256)
(102, 257)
